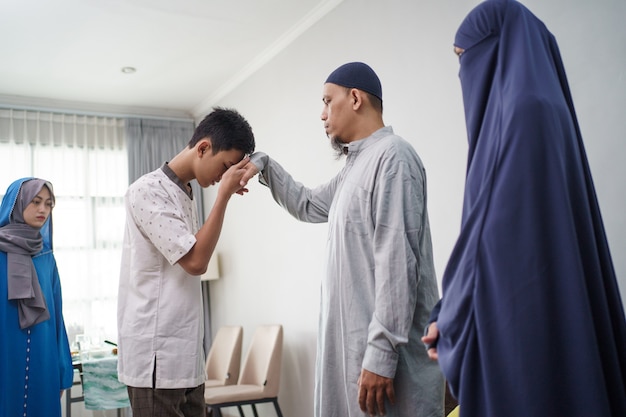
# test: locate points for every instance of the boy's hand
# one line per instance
(231, 180)
(250, 171)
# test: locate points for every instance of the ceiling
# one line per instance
(187, 53)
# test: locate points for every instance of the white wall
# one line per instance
(272, 264)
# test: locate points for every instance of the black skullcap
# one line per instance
(357, 75)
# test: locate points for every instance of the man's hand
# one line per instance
(250, 170)
(373, 390)
(430, 340)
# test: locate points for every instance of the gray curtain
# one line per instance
(150, 143)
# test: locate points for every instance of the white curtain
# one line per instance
(85, 159)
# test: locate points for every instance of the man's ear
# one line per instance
(356, 96)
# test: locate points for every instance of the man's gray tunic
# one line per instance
(380, 283)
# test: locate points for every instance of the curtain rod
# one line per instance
(82, 112)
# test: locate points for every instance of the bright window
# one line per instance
(85, 159)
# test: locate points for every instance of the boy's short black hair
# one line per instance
(227, 129)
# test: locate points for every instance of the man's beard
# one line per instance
(338, 146)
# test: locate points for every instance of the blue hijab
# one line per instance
(531, 320)
(21, 242)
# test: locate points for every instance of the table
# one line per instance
(101, 389)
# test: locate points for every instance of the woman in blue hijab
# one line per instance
(36, 364)
(531, 322)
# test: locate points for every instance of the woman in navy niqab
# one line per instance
(531, 321)
(35, 360)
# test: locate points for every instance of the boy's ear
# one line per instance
(204, 146)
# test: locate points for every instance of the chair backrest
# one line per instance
(224, 359)
(263, 359)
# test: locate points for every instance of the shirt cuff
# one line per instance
(259, 160)
(380, 362)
